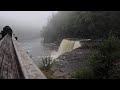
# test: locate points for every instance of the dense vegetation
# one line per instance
(81, 24)
(104, 62)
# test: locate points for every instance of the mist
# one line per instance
(26, 25)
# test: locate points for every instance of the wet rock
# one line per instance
(70, 62)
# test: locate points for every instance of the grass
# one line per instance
(47, 63)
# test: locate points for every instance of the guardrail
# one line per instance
(15, 62)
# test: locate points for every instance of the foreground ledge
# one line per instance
(28, 68)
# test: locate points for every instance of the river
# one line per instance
(36, 50)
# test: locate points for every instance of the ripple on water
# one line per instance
(37, 51)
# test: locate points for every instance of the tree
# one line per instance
(82, 24)
(106, 58)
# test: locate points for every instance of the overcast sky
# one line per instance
(21, 21)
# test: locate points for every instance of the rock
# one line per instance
(58, 73)
(70, 62)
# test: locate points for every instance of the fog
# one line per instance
(26, 25)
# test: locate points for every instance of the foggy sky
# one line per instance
(25, 22)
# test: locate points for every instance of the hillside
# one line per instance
(81, 24)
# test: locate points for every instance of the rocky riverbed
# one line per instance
(69, 63)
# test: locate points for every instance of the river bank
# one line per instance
(71, 62)
(67, 64)
(37, 50)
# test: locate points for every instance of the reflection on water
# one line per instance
(36, 49)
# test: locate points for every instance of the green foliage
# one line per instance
(84, 73)
(47, 62)
(94, 25)
(104, 61)
(81, 24)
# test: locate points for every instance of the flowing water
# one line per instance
(67, 45)
(37, 50)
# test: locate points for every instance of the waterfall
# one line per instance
(77, 44)
(67, 45)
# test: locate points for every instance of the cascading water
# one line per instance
(67, 45)
(77, 44)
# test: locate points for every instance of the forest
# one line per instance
(81, 24)
(103, 59)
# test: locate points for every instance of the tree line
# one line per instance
(81, 24)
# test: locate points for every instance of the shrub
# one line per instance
(104, 61)
(47, 62)
(84, 73)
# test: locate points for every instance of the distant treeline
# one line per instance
(81, 24)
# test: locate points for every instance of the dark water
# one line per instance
(36, 50)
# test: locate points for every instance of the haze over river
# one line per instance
(27, 25)
(36, 50)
